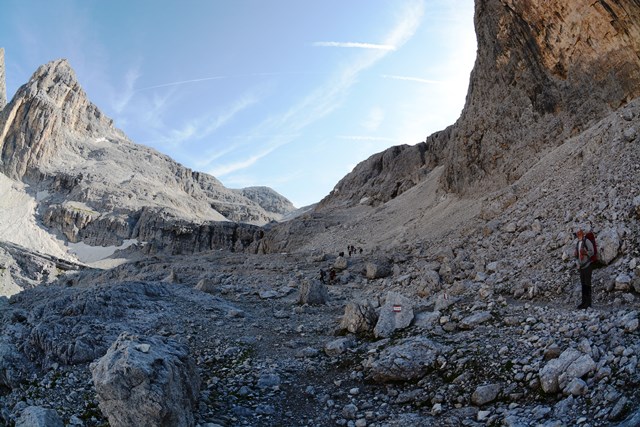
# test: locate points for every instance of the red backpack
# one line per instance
(592, 239)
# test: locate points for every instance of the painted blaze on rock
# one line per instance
(396, 313)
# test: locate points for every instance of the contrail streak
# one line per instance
(181, 83)
(411, 79)
(356, 45)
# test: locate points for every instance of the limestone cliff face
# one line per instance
(544, 71)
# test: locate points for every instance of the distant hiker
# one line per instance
(323, 276)
(360, 249)
(332, 275)
(585, 253)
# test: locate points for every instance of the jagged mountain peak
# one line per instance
(56, 73)
(47, 114)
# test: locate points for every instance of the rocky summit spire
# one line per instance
(42, 116)
(3, 86)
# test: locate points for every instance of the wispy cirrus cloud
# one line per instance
(226, 169)
(122, 99)
(328, 97)
(356, 45)
(205, 125)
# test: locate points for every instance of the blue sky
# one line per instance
(290, 94)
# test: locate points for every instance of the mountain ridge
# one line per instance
(93, 185)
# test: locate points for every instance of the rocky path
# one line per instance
(264, 359)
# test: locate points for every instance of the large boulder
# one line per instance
(146, 381)
(396, 313)
(359, 318)
(14, 367)
(557, 373)
(378, 269)
(73, 326)
(341, 263)
(313, 292)
(36, 416)
(410, 360)
(608, 242)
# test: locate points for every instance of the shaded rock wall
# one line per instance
(164, 234)
(381, 177)
(544, 72)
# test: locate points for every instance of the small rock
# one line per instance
(268, 294)
(631, 326)
(269, 380)
(483, 415)
(576, 387)
(485, 394)
(349, 411)
(623, 282)
(339, 346)
(552, 352)
(629, 135)
(436, 409)
(475, 319)
(143, 348)
(264, 409)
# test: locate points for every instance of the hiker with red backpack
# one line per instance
(586, 256)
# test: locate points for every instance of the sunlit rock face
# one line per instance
(44, 115)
